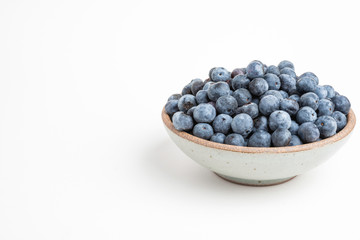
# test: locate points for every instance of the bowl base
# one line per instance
(254, 183)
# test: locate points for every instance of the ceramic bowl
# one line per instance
(258, 166)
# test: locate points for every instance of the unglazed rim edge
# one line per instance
(290, 149)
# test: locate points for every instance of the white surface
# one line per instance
(83, 153)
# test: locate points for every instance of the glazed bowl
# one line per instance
(258, 166)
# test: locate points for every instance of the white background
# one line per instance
(84, 154)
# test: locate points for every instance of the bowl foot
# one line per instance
(254, 183)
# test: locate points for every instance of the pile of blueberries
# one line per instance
(259, 106)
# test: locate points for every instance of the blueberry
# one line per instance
(308, 132)
(342, 104)
(330, 91)
(190, 112)
(340, 119)
(207, 85)
(255, 100)
(219, 74)
(176, 96)
(203, 130)
(187, 89)
(260, 139)
(306, 84)
(337, 93)
(186, 102)
(251, 109)
(212, 104)
(182, 122)
(235, 139)
(326, 107)
(294, 127)
(321, 92)
(238, 71)
(273, 81)
(240, 81)
(204, 113)
(197, 85)
(288, 83)
(171, 107)
(326, 125)
(306, 114)
(260, 123)
(310, 74)
(309, 99)
(273, 69)
(222, 123)
(269, 104)
(288, 71)
(226, 104)
(295, 97)
(279, 119)
(284, 94)
(255, 69)
(242, 96)
(295, 140)
(290, 106)
(242, 124)
(286, 63)
(265, 68)
(275, 93)
(202, 97)
(217, 90)
(218, 137)
(281, 137)
(258, 86)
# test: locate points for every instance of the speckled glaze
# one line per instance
(258, 166)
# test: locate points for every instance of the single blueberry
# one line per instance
(219, 74)
(240, 81)
(260, 138)
(306, 114)
(187, 89)
(273, 69)
(255, 100)
(321, 92)
(290, 106)
(186, 102)
(258, 86)
(242, 124)
(288, 83)
(286, 63)
(327, 126)
(226, 104)
(261, 123)
(217, 90)
(330, 91)
(171, 107)
(204, 113)
(251, 109)
(337, 93)
(308, 132)
(242, 96)
(182, 122)
(306, 84)
(309, 99)
(279, 119)
(190, 112)
(265, 68)
(310, 74)
(222, 123)
(202, 97)
(275, 93)
(294, 127)
(207, 85)
(203, 130)
(295, 97)
(340, 119)
(326, 107)
(197, 85)
(176, 96)
(268, 104)
(273, 81)
(295, 140)
(281, 137)
(284, 94)
(255, 69)
(342, 104)
(235, 139)
(238, 71)
(288, 71)
(218, 137)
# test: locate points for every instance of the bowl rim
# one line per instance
(289, 149)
